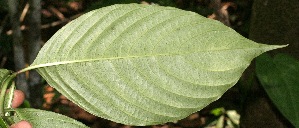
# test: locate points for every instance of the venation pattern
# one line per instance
(142, 65)
(45, 119)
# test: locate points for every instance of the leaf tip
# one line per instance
(272, 47)
(281, 46)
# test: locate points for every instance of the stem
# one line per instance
(18, 50)
(23, 70)
(5, 85)
(34, 43)
(9, 98)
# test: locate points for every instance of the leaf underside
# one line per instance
(45, 119)
(144, 65)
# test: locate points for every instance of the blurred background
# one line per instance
(25, 25)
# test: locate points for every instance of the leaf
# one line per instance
(220, 122)
(6, 96)
(279, 77)
(233, 116)
(4, 73)
(45, 119)
(144, 65)
(3, 124)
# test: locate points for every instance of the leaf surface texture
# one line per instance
(45, 119)
(144, 65)
(4, 73)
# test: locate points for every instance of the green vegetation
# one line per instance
(279, 77)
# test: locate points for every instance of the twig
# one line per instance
(57, 12)
(220, 11)
(56, 23)
(24, 12)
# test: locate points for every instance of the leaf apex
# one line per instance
(272, 47)
(280, 46)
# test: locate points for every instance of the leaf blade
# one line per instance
(42, 119)
(4, 73)
(143, 65)
(278, 76)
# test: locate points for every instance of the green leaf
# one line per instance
(45, 119)
(3, 124)
(279, 77)
(4, 73)
(217, 111)
(143, 65)
(6, 97)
